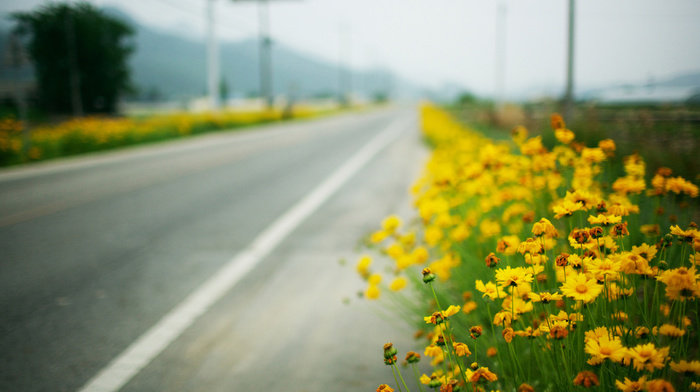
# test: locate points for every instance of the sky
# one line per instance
(438, 43)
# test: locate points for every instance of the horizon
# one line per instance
(539, 73)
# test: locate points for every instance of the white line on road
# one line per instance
(140, 353)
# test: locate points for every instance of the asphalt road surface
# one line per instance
(98, 250)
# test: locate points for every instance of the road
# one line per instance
(98, 250)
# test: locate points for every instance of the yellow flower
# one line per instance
(659, 386)
(603, 269)
(461, 349)
(520, 306)
(391, 223)
(483, 373)
(378, 236)
(680, 185)
(566, 208)
(363, 265)
(646, 251)
(397, 284)
(586, 379)
(681, 283)
(530, 246)
(395, 250)
(608, 146)
(692, 367)
(556, 329)
(433, 235)
(604, 220)
(519, 134)
(646, 356)
(564, 135)
(420, 255)
(544, 227)
(650, 230)
(489, 289)
(556, 121)
(580, 288)
(593, 155)
(605, 348)
(633, 264)
(545, 297)
(671, 331)
(685, 235)
(631, 386)
(533, 146)
(469, 307)
(529, 333)
(384, 388)
(508, 245)
(508, 334)
(503, 318)
(627, 185)
(432, 351)
(372, 292)
(438, 317)
(512, 276)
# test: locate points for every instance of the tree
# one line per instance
(79, 54)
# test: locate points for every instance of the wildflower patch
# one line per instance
(535, 268)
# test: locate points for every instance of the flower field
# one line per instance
(88, 134)
(530, 268)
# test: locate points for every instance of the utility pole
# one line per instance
(265, 53)
(266, 90)
(569, 95)
(76, 99)
(344, 73)
(213, 76)
(500, 56)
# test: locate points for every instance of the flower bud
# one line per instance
(428, 276)
(412, 357)
(440, 340)
(475, 331)
(595, 232)
(525, 388)
(492, 260)
(389, 350)
(434, 382)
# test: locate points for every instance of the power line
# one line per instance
(197, 14)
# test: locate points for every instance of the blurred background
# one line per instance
(506, 51)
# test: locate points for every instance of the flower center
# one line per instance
(582, 288)
(605, 351)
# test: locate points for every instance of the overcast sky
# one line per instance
(434, 42)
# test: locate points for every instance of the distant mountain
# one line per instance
(175, 67)
(686, 80)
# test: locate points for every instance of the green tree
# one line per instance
(79, 54)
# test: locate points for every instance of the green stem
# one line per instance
(401, 377)
(395, 379)
(415, 373)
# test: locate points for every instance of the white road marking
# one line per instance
(140, 353)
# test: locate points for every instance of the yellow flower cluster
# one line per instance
(584, 272)
(94, 133)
